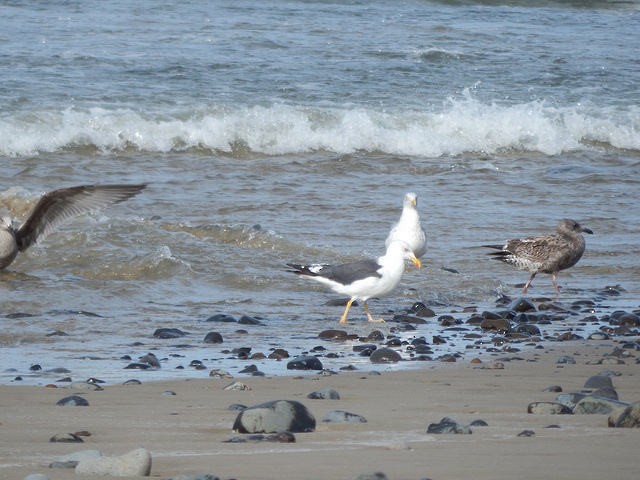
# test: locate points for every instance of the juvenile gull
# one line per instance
(408, 228)
(54, 208)
(546, 253)
(362, 279)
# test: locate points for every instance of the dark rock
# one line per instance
(138, 366)
(528, 328)
(476, 319)
(275, 416)
(364, 346)
(35, 368)
(448, 425)
(340, 416)
(247, 320)
(548, 408)
(72, 401)
(213, 337)
(151, 360)
(279, 354)
(521, 305)
(334, 335)
(222, 318)
(499, 325)
(375, 336)
(66, 438)
(478, 423)
(324, 394)
(372, 476)
(408, 319)
(527, 433)
(168, 333)
(385, 355)
(306, 362)
(419, 309)
(599, 381)
(447, 320)
(553, 388)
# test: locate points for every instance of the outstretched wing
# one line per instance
(59, 205)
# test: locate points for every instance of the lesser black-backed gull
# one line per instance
(363, 279)
(408, 228)
(54, 208)
(545, 253)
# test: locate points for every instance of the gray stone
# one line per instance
(131, 464)
(448, 425)
(84, 386)
(628, 418)
(548, 408)
(599, 381)
(372, 476)
(598, 405)
(72, 401)
(195, 476)
(275, 416)
(385, 355)
(606, 393)
(66, 438)
(324, 394)
(340, 416)
(570, 399)
(567, 360)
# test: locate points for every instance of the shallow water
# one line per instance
(271, 132)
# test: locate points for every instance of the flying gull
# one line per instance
(52, 209)
(362, 279)
(408, 228)
(546, 253)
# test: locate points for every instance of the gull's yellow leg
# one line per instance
(343, 318)
(371, 319)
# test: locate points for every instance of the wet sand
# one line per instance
(185, 432)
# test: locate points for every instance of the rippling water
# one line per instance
(289, 131)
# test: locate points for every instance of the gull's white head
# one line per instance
(402, 248)
(410, 200)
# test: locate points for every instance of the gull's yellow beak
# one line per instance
(415, 260)
(414, 202)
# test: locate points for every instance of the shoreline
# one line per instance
(186, 433)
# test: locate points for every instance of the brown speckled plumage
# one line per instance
(546, 253)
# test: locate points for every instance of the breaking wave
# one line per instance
(461, 126)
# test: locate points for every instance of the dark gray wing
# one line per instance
(59, 205)
(347, 273)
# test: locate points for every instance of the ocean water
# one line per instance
(279, 131)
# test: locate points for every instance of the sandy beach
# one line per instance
(186, 432)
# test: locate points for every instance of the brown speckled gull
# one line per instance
(545, 253)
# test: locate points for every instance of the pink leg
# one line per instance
(528, 284)
(554, 280)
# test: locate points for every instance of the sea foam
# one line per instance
(461, 125)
